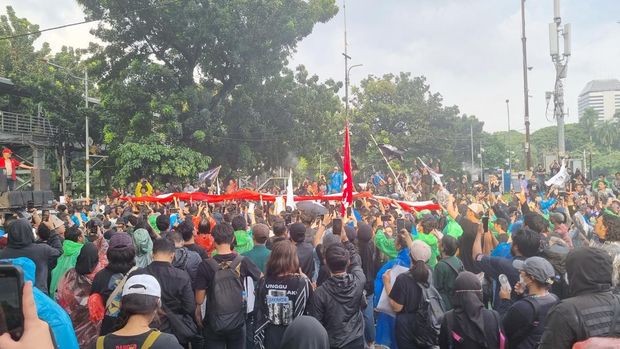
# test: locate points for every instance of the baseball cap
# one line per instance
(120, 240)
(538, 268)
(420, 251)
(7, 151)
(260, 230)
(476, 208)
(142, 284)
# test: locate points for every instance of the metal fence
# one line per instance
(35, 126)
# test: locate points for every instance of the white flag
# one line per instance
(436, 176)
(560, 178)
(290, 200)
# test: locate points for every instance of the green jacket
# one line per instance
(385, 244)
(244, 241)
(71, 251)
(259, 255)
(444, 276)
(430, 240)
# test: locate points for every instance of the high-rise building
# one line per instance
(601, 95)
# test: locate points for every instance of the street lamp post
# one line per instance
(346, 92)
(85, 80)
(508, 141)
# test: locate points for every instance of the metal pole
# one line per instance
(346, 63)
(86, 135)
(526, 116)
(471, 135)
(508, 145)
(481, 167)
(398, 186)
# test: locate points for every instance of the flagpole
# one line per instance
(400, 188)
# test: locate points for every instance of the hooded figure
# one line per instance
(587, 313)
(48, 310)
(469, 321)
(21, 244)
(67, 260)
(305, 332)
(144, 247)
(73, 292)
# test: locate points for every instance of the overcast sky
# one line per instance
(469, 50)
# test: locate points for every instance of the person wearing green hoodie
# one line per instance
(74, 241)
(144, 247)
(243, 237)
(427, 233)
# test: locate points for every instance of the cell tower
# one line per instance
(556, 29)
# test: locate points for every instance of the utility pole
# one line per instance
(508, 140)
(471, 137)
(86, 145)
(528, 155)
(560, 61)
(346, 62)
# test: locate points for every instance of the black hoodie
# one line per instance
(338, 303)
(21, 244)
(589, 312)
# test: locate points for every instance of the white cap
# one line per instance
(142, 284)
(420, 251)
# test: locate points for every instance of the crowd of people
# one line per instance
(536, 268)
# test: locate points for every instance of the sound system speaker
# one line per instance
(12, 199)
(27, 197)
(4, 184)
(41, 179)
(20, 199)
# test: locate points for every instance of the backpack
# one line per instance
(455, 270)
(604, 342)
(226, 297)
(113, 305)
(427, 318)
(526, 330)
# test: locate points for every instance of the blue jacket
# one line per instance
(48, 310)
(335, 184)
(386, 323)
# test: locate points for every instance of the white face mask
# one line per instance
(522, 280)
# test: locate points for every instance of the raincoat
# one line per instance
(386, 323)
(65, 262)
(73, 291)
(48, 310)
(144, 247)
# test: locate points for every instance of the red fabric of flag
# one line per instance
(347, 177)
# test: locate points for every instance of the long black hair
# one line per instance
(121, 260)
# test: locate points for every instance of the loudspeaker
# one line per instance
(37, 198)
(4, 184)
(41, 179)
(42, 199)
(12, 199)
(26, 197)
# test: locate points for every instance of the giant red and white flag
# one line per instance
(347, 176)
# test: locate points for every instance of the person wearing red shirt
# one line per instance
(9, 165)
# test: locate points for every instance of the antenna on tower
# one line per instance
(561, 63)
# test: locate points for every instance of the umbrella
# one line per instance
(312, 207)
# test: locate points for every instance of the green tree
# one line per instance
(589, 120)
(158, 161)
(403, 111)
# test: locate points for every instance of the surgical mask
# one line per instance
(522, 280)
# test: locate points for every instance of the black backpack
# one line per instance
(427, 322)
(226, 302)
